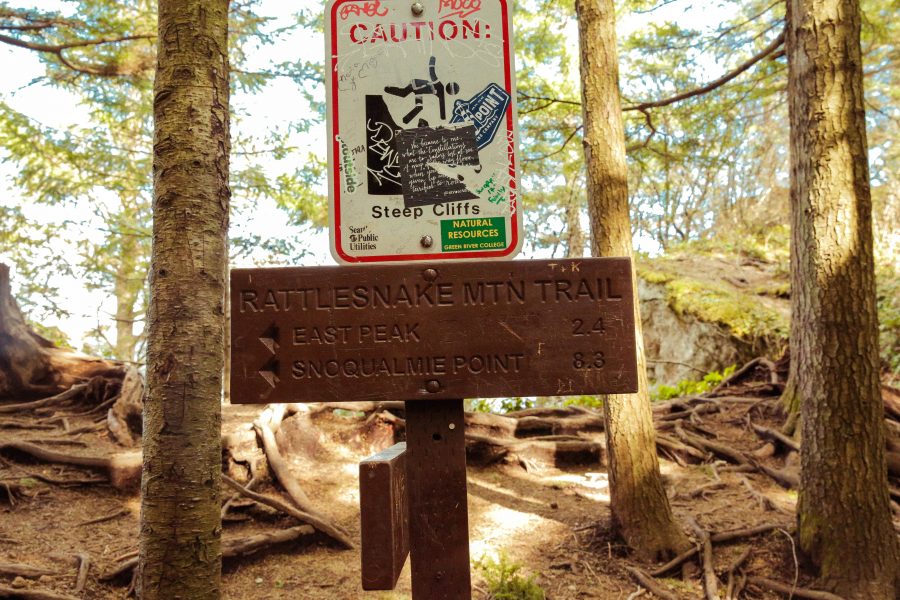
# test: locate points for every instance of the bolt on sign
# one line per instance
(421, 130)
(453, 330)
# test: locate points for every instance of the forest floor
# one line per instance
(554, 522)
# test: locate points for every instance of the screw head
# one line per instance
(433, 386)
(427, 241)
(429, 274)
(417, 8)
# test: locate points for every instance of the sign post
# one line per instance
(433, 334)
(422, 166)
(422, 139)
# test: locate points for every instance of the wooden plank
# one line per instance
(438, 513)
(384, 516)
(478, 329)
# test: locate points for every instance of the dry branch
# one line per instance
(648, 582)
(84, 565)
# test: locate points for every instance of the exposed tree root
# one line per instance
(776, 436)
(266, 425)
(648, 582)
(332, 531)
(716, 538)
(114, 515)
(785, 588)
(22, 570)
(710, 582)
(123, 470)
(765, 503)
(231, 547)
(33, 594)
(734, 580)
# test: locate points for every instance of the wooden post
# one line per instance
(438, 513)
(384, 526)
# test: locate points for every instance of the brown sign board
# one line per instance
(438, 331)
(384, 517)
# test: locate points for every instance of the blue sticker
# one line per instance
(485, 110)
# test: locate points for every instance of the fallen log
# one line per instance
(484, 450)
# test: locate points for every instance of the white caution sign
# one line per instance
(422, 137)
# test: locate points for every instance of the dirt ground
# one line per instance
(554, 522)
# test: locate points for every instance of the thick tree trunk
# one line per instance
(640, 507)
(180, 516)
(843, 511)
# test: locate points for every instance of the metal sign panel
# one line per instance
(421, 130)
(449, 330)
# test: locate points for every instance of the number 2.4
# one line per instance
(580, 328)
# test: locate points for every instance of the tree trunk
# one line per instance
(843, 510)
(641, 510)
(127, 289)
(180, 523)
(574, 237)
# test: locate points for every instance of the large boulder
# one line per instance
(702, 313)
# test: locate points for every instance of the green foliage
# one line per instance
(586, 401)
(504, 580)
(689, 387)
(54, 334)
(501, 405)
(98, 173)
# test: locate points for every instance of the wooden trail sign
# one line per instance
(431, 334)
(442, 331)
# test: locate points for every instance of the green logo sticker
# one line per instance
(473, 234)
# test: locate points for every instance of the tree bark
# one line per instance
(640, 508)
(180, 542)
(843, 510)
